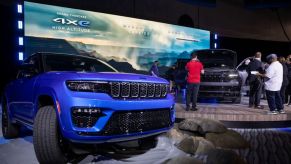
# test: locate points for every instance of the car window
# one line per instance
(60, 62)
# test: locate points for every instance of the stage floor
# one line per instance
(231, 112)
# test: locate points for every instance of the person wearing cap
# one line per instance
(273, 84)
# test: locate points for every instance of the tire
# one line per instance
(9, 129)
(47, 139)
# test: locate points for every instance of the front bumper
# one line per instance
(109, 106)
(222, 90)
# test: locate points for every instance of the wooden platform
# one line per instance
(228, 112)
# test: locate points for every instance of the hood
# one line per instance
(218, 69)
(105, 76)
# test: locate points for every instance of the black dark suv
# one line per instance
(220, 80)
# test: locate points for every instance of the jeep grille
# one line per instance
(137, 90)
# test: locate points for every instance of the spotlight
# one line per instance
(215, 45)
(19, 9)
(215, 36)
(20, 55)
(20, 25)
(20, 41)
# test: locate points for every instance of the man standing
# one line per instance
(273, 83)
(154, 71)
(194, 68)
(255, 81)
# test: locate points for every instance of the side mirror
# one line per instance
(27, 70)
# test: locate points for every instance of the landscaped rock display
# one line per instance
(202, 125)
(230, 139)
(198, 136)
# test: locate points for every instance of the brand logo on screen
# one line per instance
(66, 21)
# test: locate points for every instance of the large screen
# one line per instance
(128, 44)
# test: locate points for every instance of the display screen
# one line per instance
(128, 44)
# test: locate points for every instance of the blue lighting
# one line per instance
(215, 45)
(19, 9)
(20, 56)
(20, 41)
(215, 36)
(20, 25)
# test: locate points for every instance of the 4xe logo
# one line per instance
(66, 21)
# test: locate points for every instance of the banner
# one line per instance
(126, 43)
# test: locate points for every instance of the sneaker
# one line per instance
(259, 107)
(272, 112)
(281, 111)
(187, 108)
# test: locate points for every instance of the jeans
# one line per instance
(283, 94)
(255, 92)
(274, 100)
(192, 92)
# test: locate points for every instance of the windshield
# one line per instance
(59, 62)
(220, 58)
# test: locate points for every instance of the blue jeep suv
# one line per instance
(69, 100)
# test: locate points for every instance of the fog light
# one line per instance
(87, 111)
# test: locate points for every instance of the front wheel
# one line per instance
(47, 140)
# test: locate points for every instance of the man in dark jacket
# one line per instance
(288, 91)
(285, 78)
(255, 81)
(154, 71)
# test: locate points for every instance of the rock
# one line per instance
(230, 139)
(195, 145)
(184, 160)
(204, 146)
(176, 135)
(188, 125)
(202, 125)
(220, 156)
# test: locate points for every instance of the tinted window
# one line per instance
(60, 62)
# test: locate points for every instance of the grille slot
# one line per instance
(143, 90)
(125, 89)
(115, 89)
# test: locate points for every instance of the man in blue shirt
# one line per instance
(154, 71)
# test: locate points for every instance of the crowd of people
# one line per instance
(272, 78)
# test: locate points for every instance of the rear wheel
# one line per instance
(49, 145)
(9, 129)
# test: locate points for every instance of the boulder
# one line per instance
(195, 145)
(220, 156)
(188, 125)
(184, 160)
(202, 125)
(176, 135)
(230, 139)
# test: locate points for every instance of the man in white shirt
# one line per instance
(274, 76)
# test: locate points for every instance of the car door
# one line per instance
(23, 103)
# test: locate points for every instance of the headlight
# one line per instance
(233, 75)
(88, 86)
